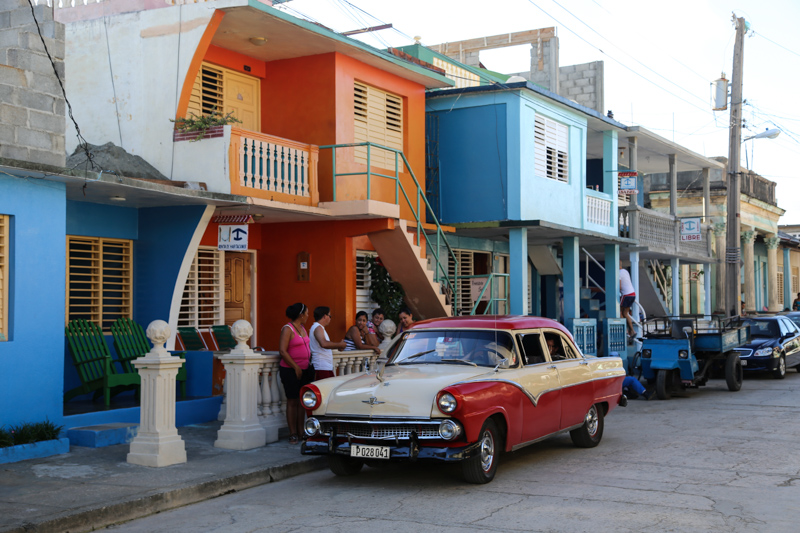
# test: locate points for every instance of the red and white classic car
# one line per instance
(463, 389)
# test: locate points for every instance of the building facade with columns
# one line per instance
(760, 287)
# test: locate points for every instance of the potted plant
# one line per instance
(202, 124)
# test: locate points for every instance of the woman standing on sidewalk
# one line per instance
(295, 367)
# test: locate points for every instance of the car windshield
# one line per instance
(763, 328)
(454, 347)
(795, 319)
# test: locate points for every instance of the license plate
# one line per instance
(744, 362)
(369, 452)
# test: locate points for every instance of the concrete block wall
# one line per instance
(548, 56)
(583, 84)
(32, 105)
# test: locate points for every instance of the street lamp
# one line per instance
(769, 133)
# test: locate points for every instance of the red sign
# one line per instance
(627, 174)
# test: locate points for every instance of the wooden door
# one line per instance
(238, 285)
(241, 95)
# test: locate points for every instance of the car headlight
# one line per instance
(683, 354)
(449, 430)
(312, 426)
(646, 353)
(310, 399)
(447, 403)
(763, 352)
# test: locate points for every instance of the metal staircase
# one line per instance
(655, 293)
(430, 293)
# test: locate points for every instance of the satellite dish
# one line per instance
(516, 79)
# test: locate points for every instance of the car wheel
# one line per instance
(733, 371)
(344, 466)
(780, 370)
(665, 384)
(482, 467)
(590, 433)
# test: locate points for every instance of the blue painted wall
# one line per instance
(473, 164)
(487, 165)
(164, 236)
(31, 362)
(98, 220)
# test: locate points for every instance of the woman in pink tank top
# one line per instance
(295, 366)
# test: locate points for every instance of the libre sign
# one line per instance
(232, 238)
(627, 182)
(690, 229)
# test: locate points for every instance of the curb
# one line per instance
(101, 517)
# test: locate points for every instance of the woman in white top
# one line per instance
(321, 345)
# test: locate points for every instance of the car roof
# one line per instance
(512, 322)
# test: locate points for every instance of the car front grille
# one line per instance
(744, 352)
(381, 430)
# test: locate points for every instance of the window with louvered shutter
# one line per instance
(5, 260)
(364, 301)
(378, 118)
(466, 267)
(207, 91)
(99, 279)
(461, 76)
(203, 303)
(551, 149)
(795, 275)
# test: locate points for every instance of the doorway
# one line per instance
(238, 287)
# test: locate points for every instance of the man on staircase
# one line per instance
(628, 297)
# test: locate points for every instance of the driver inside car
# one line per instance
(554, 347)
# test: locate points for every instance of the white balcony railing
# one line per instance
(598, 209)
(272, 399)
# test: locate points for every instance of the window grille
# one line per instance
(551, 148)
(99, 279)
(780, 285)
(364, 301)
(795, 276)
(378, 118)
(5, 261)
(202, 303)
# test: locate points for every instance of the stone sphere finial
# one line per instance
(158, 332)
(241, 331)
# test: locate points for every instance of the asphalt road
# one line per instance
(712, 460)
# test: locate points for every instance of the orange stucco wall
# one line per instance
(332, 257)
(310, 99)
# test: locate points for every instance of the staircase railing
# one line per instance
(441, 274)
(661, 280)
(589, 278)
(494, 299)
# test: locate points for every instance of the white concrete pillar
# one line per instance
(748, 238)
(157, 443)
(241, 430)
(772, 270)
(676, 287)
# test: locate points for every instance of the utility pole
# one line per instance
(733, 251)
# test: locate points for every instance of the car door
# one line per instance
(792, 343)
(574, 377)
(540, 380)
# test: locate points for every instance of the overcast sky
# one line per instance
(660, 58)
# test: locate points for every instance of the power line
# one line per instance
(776, 44)
(705, 110)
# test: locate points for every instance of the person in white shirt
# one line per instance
(321, 345)
(627, 299)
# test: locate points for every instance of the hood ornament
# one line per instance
(372, 401)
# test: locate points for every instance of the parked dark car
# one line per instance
(775, 345)
(794, 316)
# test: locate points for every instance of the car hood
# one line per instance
(760, 342)
(406, 391)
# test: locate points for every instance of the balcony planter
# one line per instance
(23, 452)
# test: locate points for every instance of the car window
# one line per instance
(784, 327)
(531, 348)
(762, 328)
(559, 347)
(795, 319)
(468, 347)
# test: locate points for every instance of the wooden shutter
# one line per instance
(378, 118)
(99, 279)
(5, 261)
(203, 304)
(551, 140)
(466, 267)
(207, 91)
(795, 272)
(227, 91)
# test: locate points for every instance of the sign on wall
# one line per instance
(627, 182)
(232, 238)
(690, 229)
(476, 285)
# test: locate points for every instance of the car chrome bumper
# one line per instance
(411, 452)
